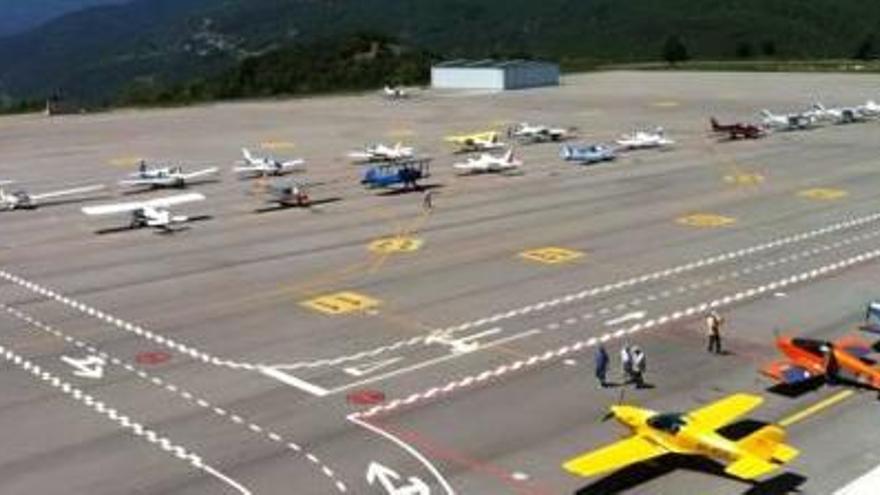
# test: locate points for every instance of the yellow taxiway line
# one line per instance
(816, 408)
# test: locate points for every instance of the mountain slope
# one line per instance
(94, 53)
(21, 15)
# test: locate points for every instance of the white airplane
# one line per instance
(262, 166)
(869, 109)
(150, 213)
(789, 122)
(837, 115)
(380, 152)
(395, 92)
(538, 133)
(645, 140)
(165, 176)
(22, 200)
(487, 163)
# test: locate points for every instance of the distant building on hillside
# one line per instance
(494, 74)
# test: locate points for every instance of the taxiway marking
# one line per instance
(551, 255)
(396, 244)
(341, 303)
(823, 194)
(816, 408)
(293, 381)
(706, 220)
(579, 346)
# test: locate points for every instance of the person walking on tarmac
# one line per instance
(428, 201)
(626, 363)
(639, 366)
(713, 330)
(602, 365)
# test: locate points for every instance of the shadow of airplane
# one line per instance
(313, 203)
(401, 191)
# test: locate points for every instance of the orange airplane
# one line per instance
(808, 359)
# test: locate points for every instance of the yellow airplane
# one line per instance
(694, 433)
(481, 141)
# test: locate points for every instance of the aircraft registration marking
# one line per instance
(341, 303)
(277, 145)
(823, 194)
(397, 244)
(706, 220)
(551, 255)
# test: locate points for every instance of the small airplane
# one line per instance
(151, 213)
(380, 152)
(23, 200)
(738, 130)
(587, 154)
(789, 122)
(695, 433)
(394, 92)
(481, 141)
(258, 166)
(487, 163)
(870, 109)
(527, 133)
(807, 359)
(165, 176)
(645, 140)
(288, 194)
(404, 173)
(842, 115)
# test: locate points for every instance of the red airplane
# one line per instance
(738, 130)
(808, 359)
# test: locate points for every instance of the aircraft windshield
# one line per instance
(669, 423)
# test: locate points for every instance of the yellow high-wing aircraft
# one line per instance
(481, 141)
(694, 433)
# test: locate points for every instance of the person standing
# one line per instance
(626, 363)
(639, 366)
(428, 201)
(602, 365)
(713, 330)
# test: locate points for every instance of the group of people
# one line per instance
(633, 361)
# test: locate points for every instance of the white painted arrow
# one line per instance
(387, 477)
(463, 345)
(91, 367)
(366, 369)
(636, 315)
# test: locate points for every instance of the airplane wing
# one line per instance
(787, 372)
(722, 412)
(199, 173)
(68, 192)
(137, 205)
(854, 345)
(614, 456)
(147, 182)
(248, 168)
(292, 164)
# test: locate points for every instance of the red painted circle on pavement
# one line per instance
(366, 397)
(152, 357)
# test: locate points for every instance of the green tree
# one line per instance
(674, 50)
(865, 50)
(744, 50)
(768, 48)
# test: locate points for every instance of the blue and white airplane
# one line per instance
(587, 154)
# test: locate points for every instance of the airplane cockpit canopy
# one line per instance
(669, 422)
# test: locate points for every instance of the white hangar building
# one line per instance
(494, 74)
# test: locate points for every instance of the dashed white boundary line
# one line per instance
(586, 293)
(184, 394)
(125, 422)
(582, 345)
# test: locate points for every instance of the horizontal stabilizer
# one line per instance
(854, 345)
(786, 372)
(750, 467)
(768, 443)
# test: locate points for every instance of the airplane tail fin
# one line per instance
(566, 152)
(768, 444)
(509, 157)
(714, 123)
(247, 154)
(766, 113)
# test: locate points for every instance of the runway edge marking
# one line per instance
(570, 298)
(551, 355)
(125, 422)
(184, 394)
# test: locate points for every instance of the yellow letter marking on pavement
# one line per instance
(341, 303)
(397, 244)
(551, 255)
(823, 194)
(706, 220)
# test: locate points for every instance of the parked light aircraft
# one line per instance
(695, 433)
(870, 109)
(837, 115)
(395, 92)
(165, 176)
(789, 122)
(288, 194)
(738, 130)
(23, 200)
(587, 154)
(150, 213)
(807, 359)
(487, 163)
(261, 166)
(481, 141)
(527, 133)
(380, 152)
(645, 140)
